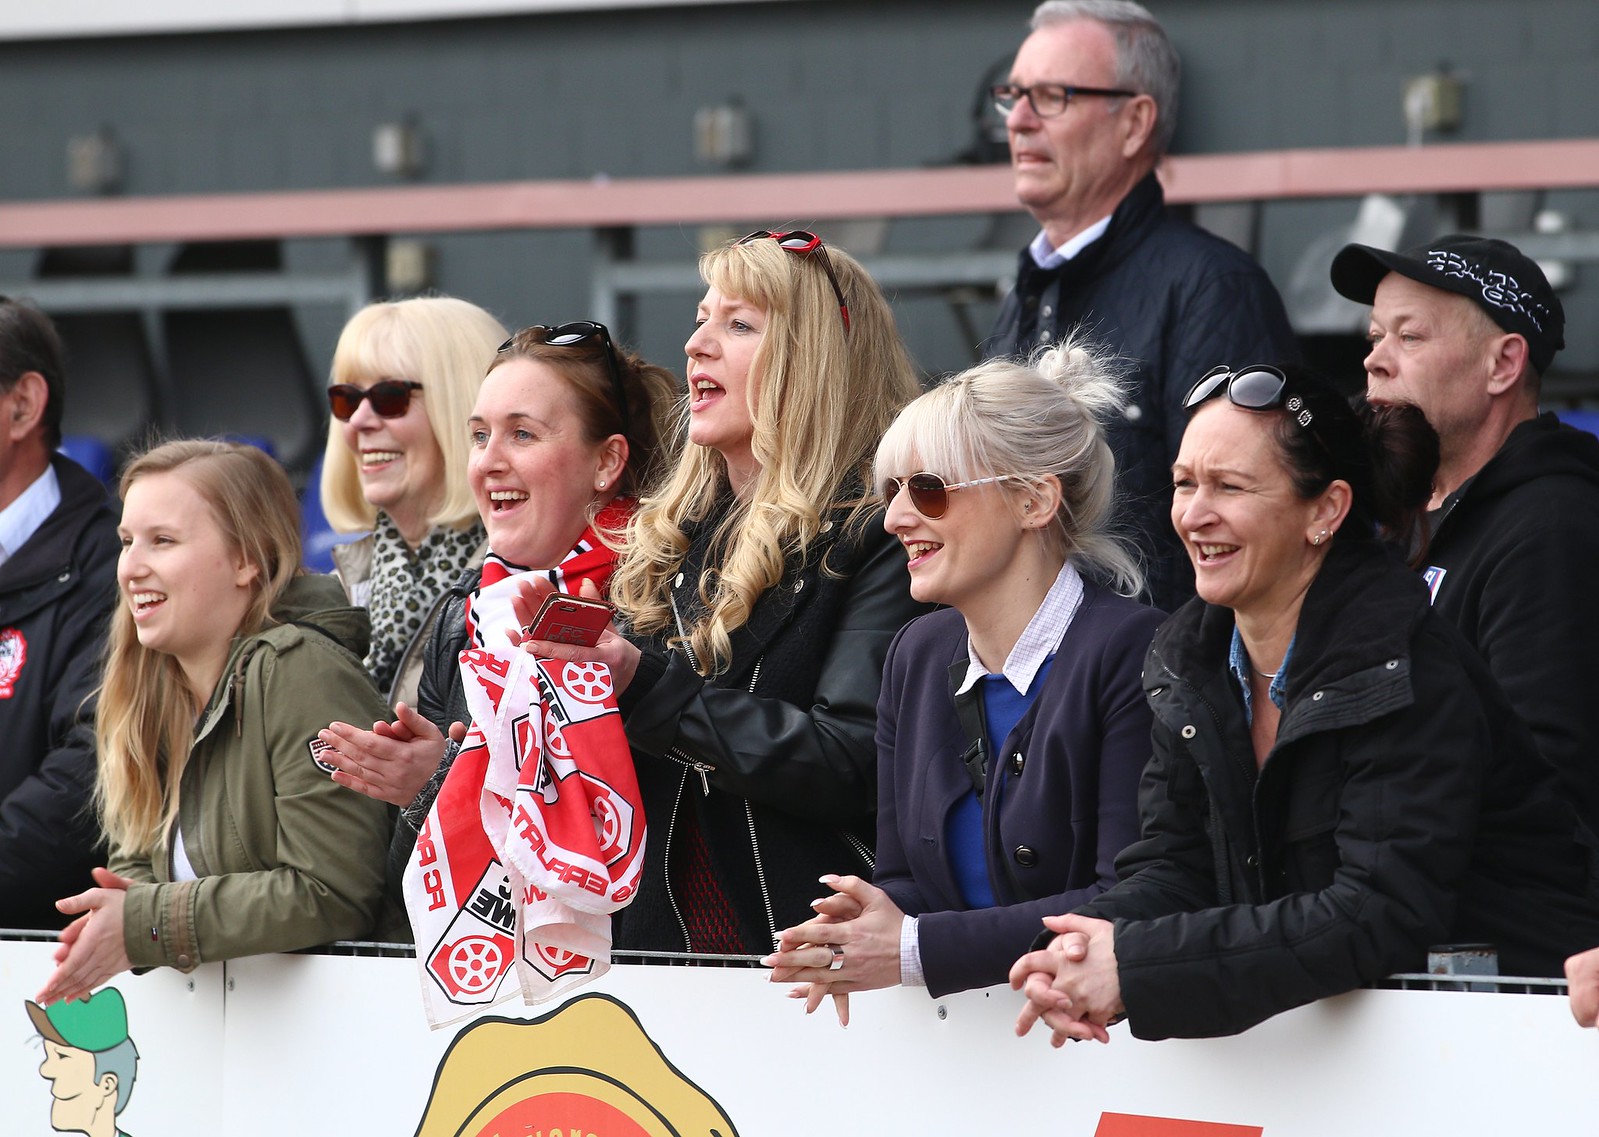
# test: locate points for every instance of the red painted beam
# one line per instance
(770, 198)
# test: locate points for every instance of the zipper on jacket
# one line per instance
(703, 769)
(666, 865)
(860, 848)
(755, 843)
(760, 872)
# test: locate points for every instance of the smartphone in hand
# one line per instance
(566, 619)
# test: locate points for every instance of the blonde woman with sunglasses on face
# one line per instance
(760, 593)
(405, 374)
(227, 837)
(1012, 727)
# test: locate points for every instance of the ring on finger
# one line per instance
(838, 957)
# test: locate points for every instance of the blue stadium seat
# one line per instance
(93, 454)
(318, 536)
(1582, 419)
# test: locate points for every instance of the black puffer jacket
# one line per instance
(1512, 566)
(1402, 806)
(1173, 301)
(776, 754)
(55, 595)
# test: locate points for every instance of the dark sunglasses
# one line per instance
(1258, 387)
(806, 245)
(390, 398)
(930, 493)
(576, 332)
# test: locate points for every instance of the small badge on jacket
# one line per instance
(1434, 576)
(318, 748)
(13, 654)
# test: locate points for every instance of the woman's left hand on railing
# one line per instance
(91, 949)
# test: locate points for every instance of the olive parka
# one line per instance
(286, 858)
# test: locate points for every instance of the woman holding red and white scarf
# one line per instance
(562, 436)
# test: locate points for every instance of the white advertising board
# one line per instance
(309, 1044)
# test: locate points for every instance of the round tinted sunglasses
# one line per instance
(1258, 387)
(930, 493)
(390, 398)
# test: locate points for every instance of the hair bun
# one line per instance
(1088, 373)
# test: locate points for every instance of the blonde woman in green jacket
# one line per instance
(227, 838)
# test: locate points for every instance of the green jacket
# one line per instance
(286, 858)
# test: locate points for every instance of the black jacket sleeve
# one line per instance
(815, 762)
(49, 839)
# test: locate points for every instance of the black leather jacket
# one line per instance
(777, 753)
(1403, 805)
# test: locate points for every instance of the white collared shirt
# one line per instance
(21, 519)
(1039, 639)
(1046, 255)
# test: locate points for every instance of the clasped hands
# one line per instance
(852, 944)
(1072, 984)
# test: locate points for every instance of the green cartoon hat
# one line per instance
(94, 1024)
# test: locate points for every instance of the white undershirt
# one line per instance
(181, 868)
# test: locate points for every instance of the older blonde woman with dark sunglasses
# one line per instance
(1012, 728)
(405, 374)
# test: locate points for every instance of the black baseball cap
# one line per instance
(1508, 286)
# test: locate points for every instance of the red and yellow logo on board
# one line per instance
(585, 1070)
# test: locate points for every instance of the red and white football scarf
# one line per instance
(488, 608)
(536, 836)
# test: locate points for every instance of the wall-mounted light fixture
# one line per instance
(724, 135)
(1432, 102)
(399, 148)
(410, 266)
(95, 162)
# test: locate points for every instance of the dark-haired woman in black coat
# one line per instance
(1337, 784)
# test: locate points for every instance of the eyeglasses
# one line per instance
(1049, 99)
(805, 244)
(930, 493)
(576, 332)
(1258, 387)
(390, 398)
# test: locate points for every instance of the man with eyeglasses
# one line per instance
(58, 565)
(1465, 328)
(1090, 109)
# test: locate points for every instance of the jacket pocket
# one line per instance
(1310, 824)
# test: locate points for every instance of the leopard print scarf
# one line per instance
(405, 584)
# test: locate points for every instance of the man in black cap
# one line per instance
(1465, 328)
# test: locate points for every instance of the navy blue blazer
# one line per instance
(1066, 780)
